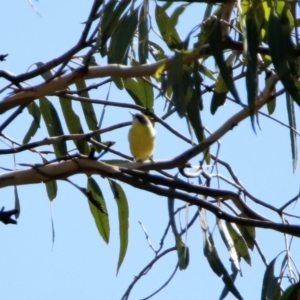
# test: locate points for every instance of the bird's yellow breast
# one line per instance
(142, 141)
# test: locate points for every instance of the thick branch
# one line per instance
(27, 95)
(65, 169)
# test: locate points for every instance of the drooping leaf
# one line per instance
(34, 110)
(214, 32)
(282, 52)
(17, 203)
(143, 47)
(182, 249)
(228, 280)
(225, 289)
(146, 92)
(221, 89)
(123, 211)
(122, 38)
(271, 286)
(88, 109)
(292, 292)
(101, 219)
(141, 92)
(206, 72)
(183, 254)
(271, 105)
(293, 135)
(176, 14)
(178, 78)
(46, 75)
(53, 125)
(167, 30)
(219, 95)
(210, 252)
(234, 258)
(157, 52)
(239, 242)
(110, 17)
(248, 233)
(197, 80)
(51, 186)
(73, 124)
(193, 112)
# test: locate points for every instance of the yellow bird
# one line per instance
(141, 137)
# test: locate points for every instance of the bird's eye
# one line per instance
(141, 119)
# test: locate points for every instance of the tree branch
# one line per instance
(25, 96)
(62, 170)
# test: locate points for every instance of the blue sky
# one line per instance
(80, 265)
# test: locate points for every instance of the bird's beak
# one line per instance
(131, 113)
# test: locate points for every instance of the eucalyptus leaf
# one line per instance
(123, 212)
(53, 125)
(101, 219)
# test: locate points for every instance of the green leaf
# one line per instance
(183, 254)
(146, 93)
(252, 62)
(141, 92)
(87, 108)
(219, 95)
(239, 242)
(271, 105)
(214, 31)
(167, 30)
(100, 218)
(282, 52)
(226, 237)
(293, 135)
(157, 52)
(221, 89)
(193, 112)
(206, 72)
(110, 17)
(209, 249)
(51, 185)
(176, 14)
(123, 211)
(226, 290)
(30, 133)
(271, 286)
(17, 203)
(73, 124)
(53, 125)
(248, 233)
(182, 249)
(47, 75)
(227, 279)
(143, 47)
(177, 80)
(197, 80)
(292, 292)
(122, 38)
(34, 110)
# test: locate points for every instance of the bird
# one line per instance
(141, 137)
